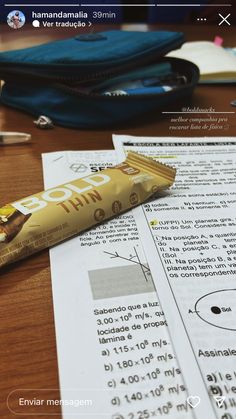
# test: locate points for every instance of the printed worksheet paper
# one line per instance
(189, 236)
(115, 356)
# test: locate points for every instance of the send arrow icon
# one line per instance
(219, 400)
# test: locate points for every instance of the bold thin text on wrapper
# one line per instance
(50, 217)
(28, 206)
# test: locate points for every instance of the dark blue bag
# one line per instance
(63, 79)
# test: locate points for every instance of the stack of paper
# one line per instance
(145, 304)
(216, 64)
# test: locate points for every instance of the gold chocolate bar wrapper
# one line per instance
(49, 217)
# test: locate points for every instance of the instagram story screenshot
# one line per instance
(118, 209)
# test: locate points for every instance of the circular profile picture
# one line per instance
(16, 19)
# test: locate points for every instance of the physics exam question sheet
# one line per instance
(113, 344)
(189, 238)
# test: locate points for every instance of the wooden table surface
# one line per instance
(28, 356)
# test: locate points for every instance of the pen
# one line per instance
(7, 138)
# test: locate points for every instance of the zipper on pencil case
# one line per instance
(74, 90)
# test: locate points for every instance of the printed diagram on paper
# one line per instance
(217, 308)
(133, 258)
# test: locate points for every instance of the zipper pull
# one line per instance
(44, 122)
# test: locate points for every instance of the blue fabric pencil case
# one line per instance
(68, 80)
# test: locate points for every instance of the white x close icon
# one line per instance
(224, 19)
